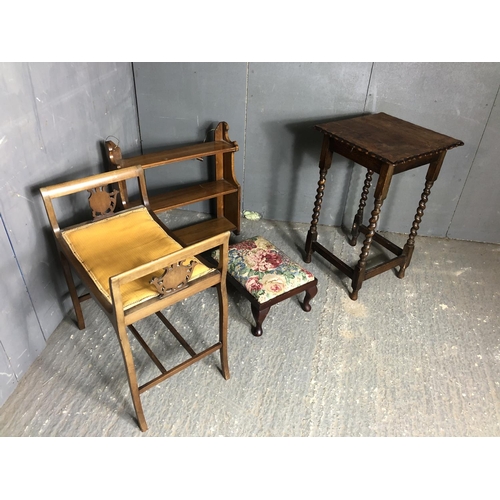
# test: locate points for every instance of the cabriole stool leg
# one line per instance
(310, 294)
(259, 315)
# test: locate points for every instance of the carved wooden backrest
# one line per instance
(101, 202)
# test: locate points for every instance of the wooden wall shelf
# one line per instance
(225, 188)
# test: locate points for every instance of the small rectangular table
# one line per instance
(385, 145)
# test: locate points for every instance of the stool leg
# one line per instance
(324, 164)
(358, 218)
(310, 293)
(432, 175)
(259, 315)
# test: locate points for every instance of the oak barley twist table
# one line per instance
(385, 145)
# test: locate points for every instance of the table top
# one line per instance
(387, 138)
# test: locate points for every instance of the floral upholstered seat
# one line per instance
(266, 276)
(264, 270)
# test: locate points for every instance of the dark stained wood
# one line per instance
(385, 266)
(333, 259)
(310, 294)
(388, 139)
(324, 164)
(392, 247)
(388, 146)
(259, 315)
(358, 218)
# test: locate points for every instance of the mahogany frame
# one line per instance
(118, 316)
(224, 188)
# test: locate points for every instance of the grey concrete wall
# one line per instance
(180, 103)
(478, 212)
(54, 119)
(285, 101)
(452, 98)
(272, 107)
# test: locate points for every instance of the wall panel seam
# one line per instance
(351, 171)
(473, 160)
(22, 276)
(368, 87)
(136, 106)
(245, 138)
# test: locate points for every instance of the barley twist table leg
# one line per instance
(359, 271)
(358, 218)
(312, 235)
(410, 244)
(324, 164)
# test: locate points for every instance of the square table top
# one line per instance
(387, 138)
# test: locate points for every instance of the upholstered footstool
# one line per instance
(266, 276)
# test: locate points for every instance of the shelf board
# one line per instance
(193, 194)
(203, 230)
(180, 154)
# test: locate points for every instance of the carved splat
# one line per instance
(101, 202)
(174, 278)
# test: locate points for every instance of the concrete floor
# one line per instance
(412, 357)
